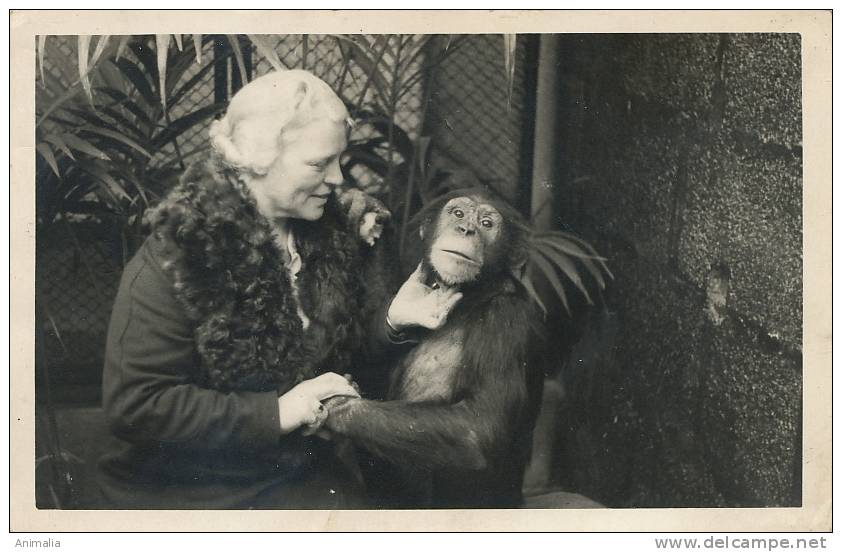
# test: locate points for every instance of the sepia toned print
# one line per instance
(662, 182)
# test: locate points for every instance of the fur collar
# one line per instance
(229, 276)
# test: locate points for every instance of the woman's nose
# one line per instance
(334, 174)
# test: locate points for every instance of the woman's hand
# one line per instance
(302, 405)
(417, 304)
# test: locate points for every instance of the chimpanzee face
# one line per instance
(465, 236)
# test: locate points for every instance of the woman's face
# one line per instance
(304, 174)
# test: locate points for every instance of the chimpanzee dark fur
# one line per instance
(462, 403)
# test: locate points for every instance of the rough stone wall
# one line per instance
(681, 161)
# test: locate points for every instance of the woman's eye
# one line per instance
(487, 223)
(458, 213)
(319, 164)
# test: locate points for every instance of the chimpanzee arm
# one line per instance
(419, 434)
(468, 433)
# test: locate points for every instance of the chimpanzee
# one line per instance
(462, 403)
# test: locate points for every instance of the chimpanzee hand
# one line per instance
(337, 408)
(302, 405)
(323, 411)
(366, 214)
(417, 304)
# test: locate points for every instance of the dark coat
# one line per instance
(194, 430)
(185, 446)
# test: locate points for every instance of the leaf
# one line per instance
(238, 55)
(568, 268)
(84, 43)
(100, 47)
(179, 126)
(267, 51)
(138, 79)
(111, 76)
(87, 115)
(129, 174)
(564, 243)
(47, 153)
(373, 143)
(360, 155)
(147, 57)
(423, 149)
(588, 247)
(162, 43)
(42, 44)
(359, 53)
(129, 104)
(56, 140)
(121, 46)
(118, 137)
(57, 333)
(530, 289)
(103, 176)
(547, 270)
(84, 146)
(177, 38)
(197, 43)
(122, 122)
(178, 65)
(433, 57)
(401, 141)
(569, 248)
(585, 259)
(191, 82)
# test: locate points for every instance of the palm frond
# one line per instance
(557, 254)
(162, 44)
(267, 51)
(197, 43)
(234, 41)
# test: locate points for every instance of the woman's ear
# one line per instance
(300, 94)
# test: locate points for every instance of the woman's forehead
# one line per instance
(321, 138)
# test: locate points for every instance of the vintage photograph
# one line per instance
(418, 271)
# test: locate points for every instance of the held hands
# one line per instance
(417, 304)
(302, 405)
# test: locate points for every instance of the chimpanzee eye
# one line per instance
(487, 223)
(458, 213)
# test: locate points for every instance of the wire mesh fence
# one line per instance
(469, 116)
(472, 117)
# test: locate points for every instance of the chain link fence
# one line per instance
(473, 119)
(470, 117)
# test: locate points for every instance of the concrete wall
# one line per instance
(681, 161)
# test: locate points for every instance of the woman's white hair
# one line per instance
(248, 137)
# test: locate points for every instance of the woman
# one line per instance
(239, 313)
